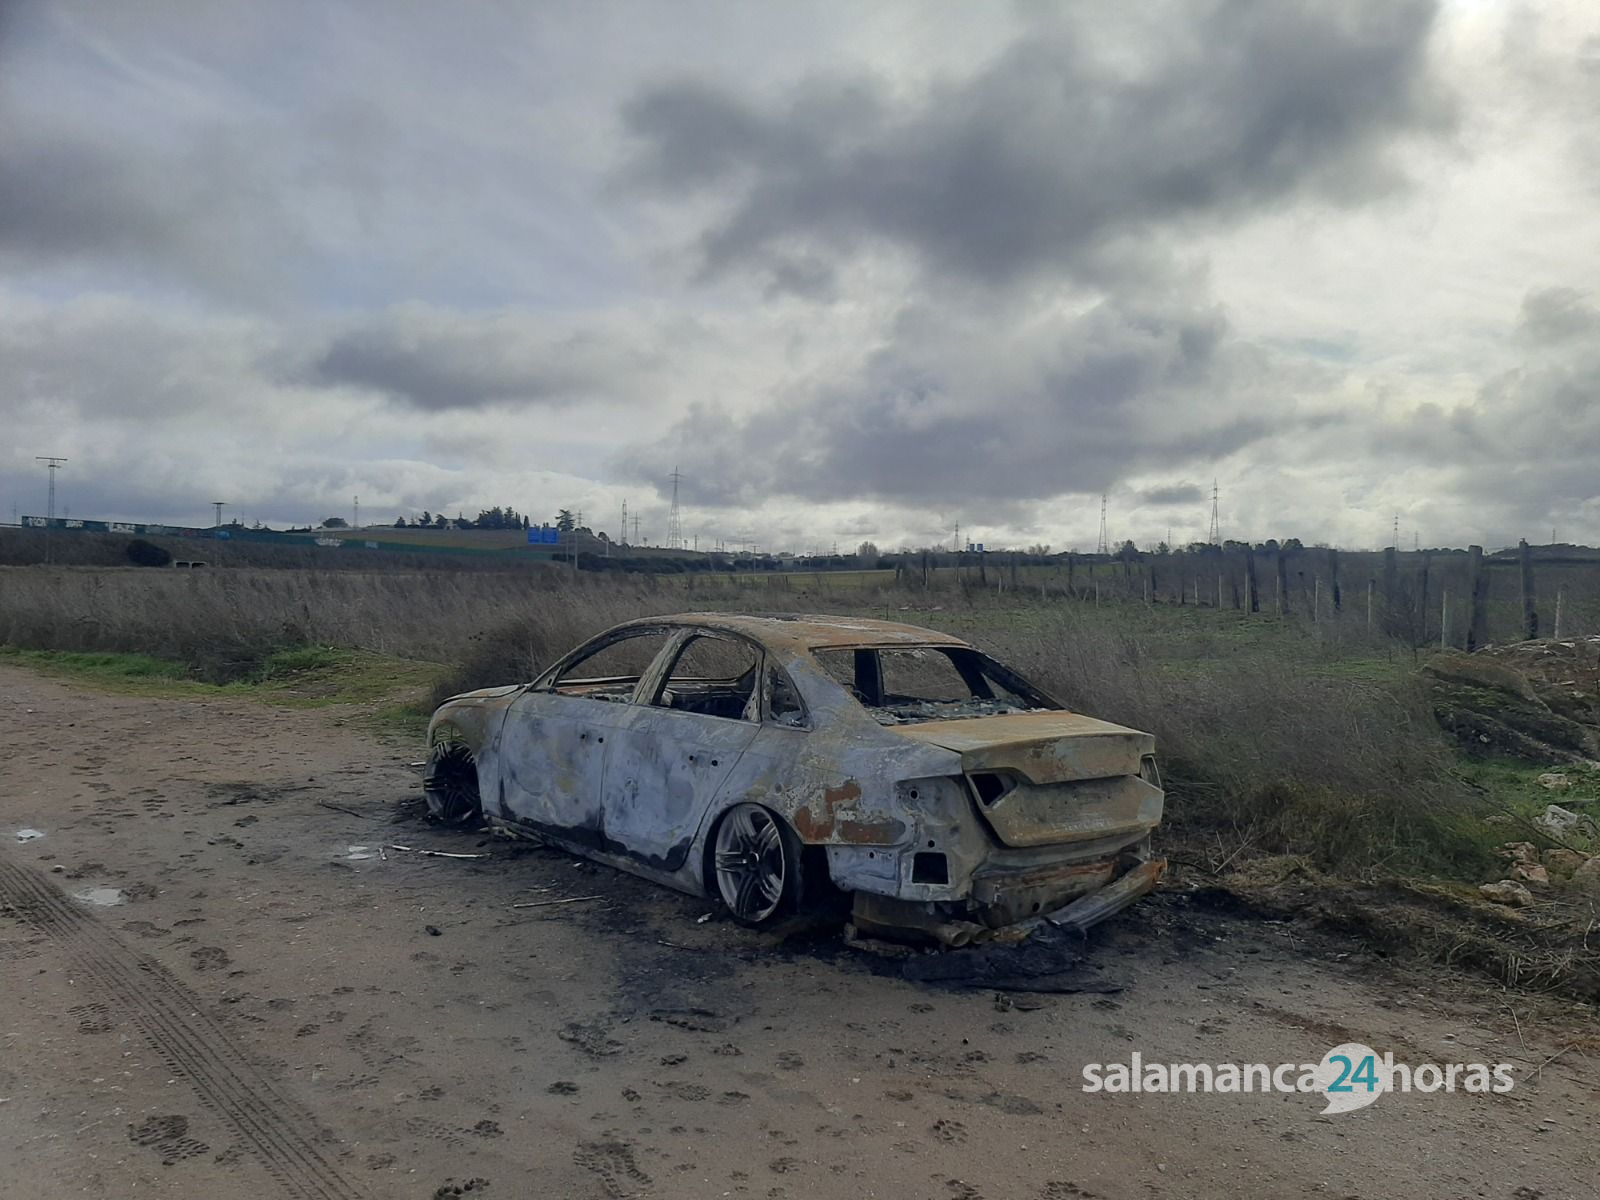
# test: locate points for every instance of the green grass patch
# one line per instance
(104, 666)
(1515, 787)
(391, 690)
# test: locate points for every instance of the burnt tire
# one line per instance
(452, 787)
(756, 866)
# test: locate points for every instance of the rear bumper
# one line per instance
(1010, 908)
(1108, 901)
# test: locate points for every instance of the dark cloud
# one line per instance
(1557, 314)
(948, 415)
(81, 198)
(434, 360)
(1053, 151)
(1172, 495)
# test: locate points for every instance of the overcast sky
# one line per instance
(857, 270)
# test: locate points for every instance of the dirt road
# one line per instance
(263, 1010)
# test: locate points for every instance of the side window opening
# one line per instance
(612, 671)
(715, 677)
(904, 685)
(783, 702)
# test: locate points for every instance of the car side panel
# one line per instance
(551, 763)
(664, 770)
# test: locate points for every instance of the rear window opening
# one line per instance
(908, 685)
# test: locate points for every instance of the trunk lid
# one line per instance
(1046, 778)
(1042, 747)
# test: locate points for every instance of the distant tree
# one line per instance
(867, 554)
(1128, 551)
(525, 523)
(335, 523)
(1040, 549)
(1163, 549)
(1291, 545)
(439, 521)
(400, 522)
(427, 519)
(1270, 546)
(1234, 547)
(565, 521)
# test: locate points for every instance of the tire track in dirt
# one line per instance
(281, 1134)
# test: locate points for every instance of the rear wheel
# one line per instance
(452, 787)
(756, 863)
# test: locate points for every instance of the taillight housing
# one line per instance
(990, 786)
(1148, 771)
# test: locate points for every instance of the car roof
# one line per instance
(806, 631)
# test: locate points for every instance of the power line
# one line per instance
(1105, 533)
(217, 505)
(1215, 536)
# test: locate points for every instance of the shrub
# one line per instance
(147, 554)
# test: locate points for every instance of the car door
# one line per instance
(678, 744)
(554, 742)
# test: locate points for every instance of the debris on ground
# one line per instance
(1557, 820)
(1527, 872)
(1561, 862)
(1538, 701)
(1586, 877)
(1507, 891)
(1519, 852)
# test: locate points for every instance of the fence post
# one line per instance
(1444, 618)
(1556, 631)
(1316, 600)
(1422, 605)
(1250, 580)
(1530, 615)
(1333, 570)
(1477, 597)
(1391, 570)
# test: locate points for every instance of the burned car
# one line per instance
(773, 761)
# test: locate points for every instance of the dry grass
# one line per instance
(1276, 738)
(224, 624)
(1270, 747)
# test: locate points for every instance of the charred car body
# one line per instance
(767, 760)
